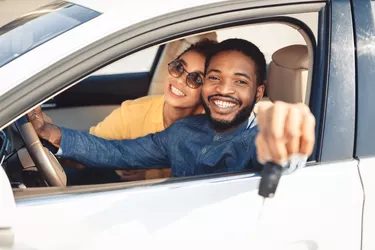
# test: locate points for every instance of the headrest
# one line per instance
(292, 57)
(287, 74)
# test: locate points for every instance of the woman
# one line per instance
(151, 114)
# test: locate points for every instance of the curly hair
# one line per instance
(203, 47)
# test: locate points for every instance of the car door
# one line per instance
(365, 138)
(318, 207)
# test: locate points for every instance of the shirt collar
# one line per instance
(252, 121)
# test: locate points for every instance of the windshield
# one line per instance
(33, 29)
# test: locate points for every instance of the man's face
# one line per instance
(230, 89)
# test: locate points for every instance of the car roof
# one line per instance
(140, 6)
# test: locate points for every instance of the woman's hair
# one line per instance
(203, 47)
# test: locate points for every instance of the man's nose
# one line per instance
(225, 87)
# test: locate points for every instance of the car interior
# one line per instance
(289, 53)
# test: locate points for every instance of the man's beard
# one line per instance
(241, 116)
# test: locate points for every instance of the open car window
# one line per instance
(29, 31)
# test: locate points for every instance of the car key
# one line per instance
(269, 181)
(271, 175)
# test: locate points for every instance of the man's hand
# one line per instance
(44, 129)
(284, 130)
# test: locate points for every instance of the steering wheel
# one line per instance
(44, 160)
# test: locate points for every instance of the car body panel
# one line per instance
(216, 213)
(367, 170)
(318, 207)
(364, 20)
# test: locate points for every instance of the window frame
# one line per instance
(365, 117)
(85, 63)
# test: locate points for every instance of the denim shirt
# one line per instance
(189, 146)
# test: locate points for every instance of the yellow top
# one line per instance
(135, 118)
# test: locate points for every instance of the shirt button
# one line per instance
(216, 138)
(204, 150)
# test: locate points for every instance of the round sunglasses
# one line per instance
(193, 79)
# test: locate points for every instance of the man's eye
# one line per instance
(213, 78)
(241, 82)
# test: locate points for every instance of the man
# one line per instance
(221, 140)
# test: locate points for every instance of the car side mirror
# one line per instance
(7, 211)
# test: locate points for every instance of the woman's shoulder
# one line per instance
(149, 100)
(144, 104)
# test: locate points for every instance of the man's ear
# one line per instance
(260, 92)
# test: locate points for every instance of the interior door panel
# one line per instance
(79, 118)
(91, 100)
(105, 90)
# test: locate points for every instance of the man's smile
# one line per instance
(223, 105)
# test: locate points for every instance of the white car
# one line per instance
(80, 59)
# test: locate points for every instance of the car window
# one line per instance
(140, 61)
(33, 29)
(82, 105)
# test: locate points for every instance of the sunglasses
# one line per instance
(193, 79)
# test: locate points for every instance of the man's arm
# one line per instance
(143, 152)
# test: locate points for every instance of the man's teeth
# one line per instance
(222, 104)
(177, 91)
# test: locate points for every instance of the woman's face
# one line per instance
(177, 93)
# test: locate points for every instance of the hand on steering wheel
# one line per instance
(44, 160)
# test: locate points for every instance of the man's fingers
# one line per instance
(263, 153)
(292, 130)
(47, 118)
(284, 130)
(262, 115)
(36, 118)
(274, 133)
(307, 134)
(35, 113)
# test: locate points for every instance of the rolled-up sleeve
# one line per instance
(144, 152)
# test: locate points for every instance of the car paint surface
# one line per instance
(219, 213)
(318, 207)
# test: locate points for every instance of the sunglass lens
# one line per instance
(194, 80)
(176, 69)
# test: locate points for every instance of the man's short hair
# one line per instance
(245, 47)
